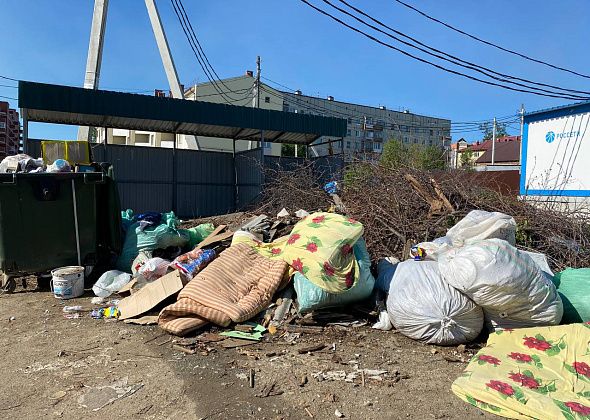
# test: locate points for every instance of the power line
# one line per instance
(354, 114)
(199, 45)
(8, 78)
(452, 59)
(8, 97)
(8, 86)
(526, 57)
(430, 62)
(201, 55)
(196, 51)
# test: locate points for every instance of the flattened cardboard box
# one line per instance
(150, 295)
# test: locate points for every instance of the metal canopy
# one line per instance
(100, 108)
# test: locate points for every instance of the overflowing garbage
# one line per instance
(447, 278)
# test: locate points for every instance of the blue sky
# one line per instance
(307, 51)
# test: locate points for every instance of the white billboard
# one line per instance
(556, 155)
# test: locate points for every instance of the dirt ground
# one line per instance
(51, 366)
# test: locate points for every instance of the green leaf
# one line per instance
(585, 394)
(552, 351)
(570, 368)
(518, 394)
(567, 414)
(494, 408)
(528, 373)
(543, 390)
(316, 240)
(551, 387)
(539, 365)
(471, 400)
(305, 270)
(562, 345)
(481, 362)
(540, 337)
(536, 358)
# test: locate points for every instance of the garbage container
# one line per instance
(52, 220)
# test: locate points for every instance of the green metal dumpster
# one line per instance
(51, 220)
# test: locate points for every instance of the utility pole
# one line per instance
(95, 47)
(521, 134)
(494, 143)
(256, 96)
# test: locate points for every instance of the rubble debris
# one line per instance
(311, 349)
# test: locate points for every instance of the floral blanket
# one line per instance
(541, 373)
(319, 247)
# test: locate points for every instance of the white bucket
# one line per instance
(68, 282)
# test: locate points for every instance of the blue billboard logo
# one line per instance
(550, 136)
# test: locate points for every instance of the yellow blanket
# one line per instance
(541, 373)
(319, 247)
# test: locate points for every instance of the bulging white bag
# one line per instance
(423, 307)
(477, 225)
(510, 287)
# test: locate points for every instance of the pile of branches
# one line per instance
(402, 207)
(297, 186)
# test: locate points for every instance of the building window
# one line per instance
(267, 144)
(2, 125)
(348, 145)
(348, 133)
(432, 132)
(358, 133)
(267, 99)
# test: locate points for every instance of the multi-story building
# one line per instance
(9, 131)
(368, 127)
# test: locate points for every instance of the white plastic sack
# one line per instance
(110, 282)
(510, 287)
(423, 307)
(477, 225)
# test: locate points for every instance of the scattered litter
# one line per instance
(255, 333)
(301, 214)
(110, 282)
(338, 414)
(110, 312)
(97, 300)
(96, 398)
(283, 213)
(384, 322)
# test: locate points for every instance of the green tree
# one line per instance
(92, 134)
(289, 150)
(415, 156)
(487, 129)
(466, 159)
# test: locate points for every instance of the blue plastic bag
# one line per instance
(311, 297)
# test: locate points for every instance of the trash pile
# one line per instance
(440, 262)
(24, 163)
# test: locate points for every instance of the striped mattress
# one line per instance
(235, 287)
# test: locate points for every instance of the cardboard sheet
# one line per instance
(150, 295)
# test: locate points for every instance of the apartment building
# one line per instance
(9, 131)
(368, 127)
